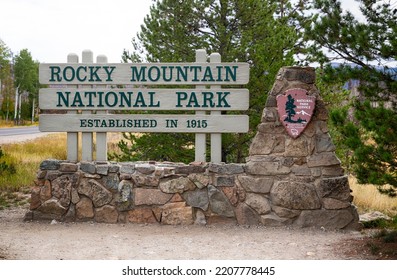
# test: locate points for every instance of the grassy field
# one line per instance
(26, 157)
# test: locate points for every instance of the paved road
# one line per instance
(19, 130)
(19, 134)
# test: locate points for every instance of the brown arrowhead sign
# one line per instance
(295, 109)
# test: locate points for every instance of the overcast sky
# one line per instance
(51, 29)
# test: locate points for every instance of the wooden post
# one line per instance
(72, 137)
(87, 137)
(200, 141)
(216, 138)
(101, 137)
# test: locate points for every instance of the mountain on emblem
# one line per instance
(295, 109)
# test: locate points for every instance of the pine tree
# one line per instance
(290, 109)
(365, 49)
(260, 32)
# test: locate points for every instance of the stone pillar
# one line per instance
(301, 177)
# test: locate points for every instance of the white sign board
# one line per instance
(144, 73)
(143, 123)
(143, 99)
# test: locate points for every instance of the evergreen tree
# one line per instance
(365, 49)
(290, 109)
(260, 32)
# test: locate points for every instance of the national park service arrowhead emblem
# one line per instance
(295, 109)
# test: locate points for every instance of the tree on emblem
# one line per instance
(290, 110)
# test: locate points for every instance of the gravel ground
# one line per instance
(92, 241)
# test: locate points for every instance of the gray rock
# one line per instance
(197, 198)
(178, 185)
(374, 216)
(84, 209)
(267, 168)
(285, 212)
(102, 169)
(67, 167)
(200, 180)
(125, 191)
(219, 203)
(50, 164)
(177, 214)
(295, 195)
(332, 203)
(258, 202)
(145, 168)
(264, 144)
(224, 181)
(328, 219)
(88, 167)
(296, 147)
(189, 169)
(302, 74)
(144, 180)
(127, 168)
(71, 214)
(324, 143)
(221, 168)
(61, 189)
(273, 220)
(53, 208)
(106, 214)
(200, 218)
(100, 195)
(111, 182)
(337, 187)
(150, 197)
(256, 185)
(323, 159)
(246, 215)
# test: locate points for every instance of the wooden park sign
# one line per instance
(88, 91)
(295, 109)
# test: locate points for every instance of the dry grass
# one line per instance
(27, 156)
(368, 198)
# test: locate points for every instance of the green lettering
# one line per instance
(167, 79)
(208, 75)
(140, 99)
(77, 101)
(108, 99)
(195, 70)
(90, 95)
(124, 98)
(193, 99)
(152, 93)
(138, 76)
(231, 72)
(180, 96)
(55, 71)
(153, 77)
(93, 72)
(221, 99)
(72, 73)
(61, 96)
(208, 99)
(100, 98)
(181, 72)
(80, 79)
(109, 73)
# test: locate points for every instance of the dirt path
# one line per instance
(46, 241)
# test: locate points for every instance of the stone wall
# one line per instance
(294, 182)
